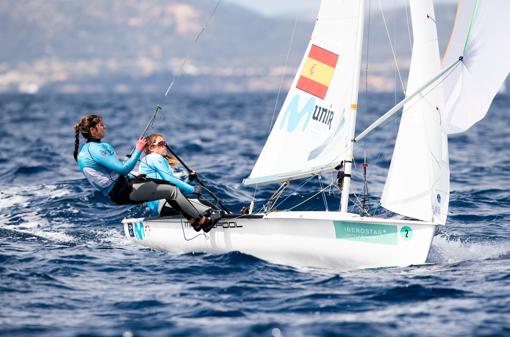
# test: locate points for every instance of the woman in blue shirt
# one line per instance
(155, 165)
(109, 175)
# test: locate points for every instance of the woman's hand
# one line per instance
(140, 144)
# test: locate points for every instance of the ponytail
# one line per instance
(76, 141)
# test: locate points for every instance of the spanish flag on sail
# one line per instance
(317, 72)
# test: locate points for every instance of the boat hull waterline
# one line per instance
(332, 240)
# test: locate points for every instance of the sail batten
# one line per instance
(311, 133)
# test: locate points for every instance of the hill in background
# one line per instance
(137, 46)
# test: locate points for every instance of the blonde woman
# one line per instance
(155, 165)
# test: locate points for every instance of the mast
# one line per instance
(354, 108)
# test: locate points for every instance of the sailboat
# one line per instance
(315, 134)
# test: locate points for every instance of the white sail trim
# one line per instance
(417, 185)
(480, 35)
(311, 132)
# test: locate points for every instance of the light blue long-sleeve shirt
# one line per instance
(101, 167)
(156, 166)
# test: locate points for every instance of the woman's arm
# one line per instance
(104, 154)
(161, 166)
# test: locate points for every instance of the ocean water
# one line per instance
(67, 270)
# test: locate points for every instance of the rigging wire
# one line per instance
(367, 53)
(395, 41)
(366, 72)
(297, 189)
(323, 195)
(289, 49)
(358, 203)
(391, 45)
(367, 58)
(157, 109)
(193, 46)
(430, 88)
(365, 205)
(280, 85)
(407, 9)
(308, 199)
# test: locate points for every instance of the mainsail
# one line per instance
(311, 134)
(418, 180)
(480, 35)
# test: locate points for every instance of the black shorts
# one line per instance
(120, 192)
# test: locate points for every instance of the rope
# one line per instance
(184, 233)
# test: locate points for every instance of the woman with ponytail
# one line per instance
(100, 165)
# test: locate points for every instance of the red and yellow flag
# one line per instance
(317, 72)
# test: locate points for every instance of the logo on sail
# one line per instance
(317, 72)
(298, 114)
(295, 113)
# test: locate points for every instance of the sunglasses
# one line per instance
(160, 143)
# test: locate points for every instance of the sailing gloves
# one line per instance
(192, 176)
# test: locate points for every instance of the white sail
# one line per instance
(480, 35)
(311, 132)
(418, 180)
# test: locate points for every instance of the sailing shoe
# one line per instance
(212, 217)
(196, 225)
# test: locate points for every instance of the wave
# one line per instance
(452, 250)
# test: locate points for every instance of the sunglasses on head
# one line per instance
(160, 143)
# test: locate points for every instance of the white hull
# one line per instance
(330, 240)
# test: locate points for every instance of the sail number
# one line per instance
(406, 232)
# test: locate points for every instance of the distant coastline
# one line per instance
(75, 47)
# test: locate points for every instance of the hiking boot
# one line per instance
(211, 219)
